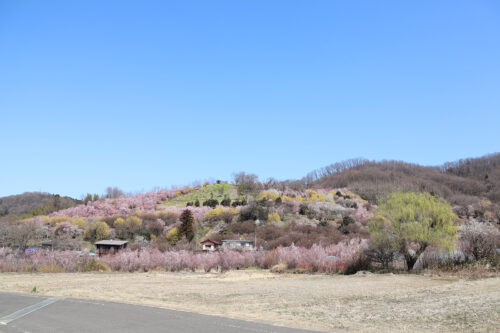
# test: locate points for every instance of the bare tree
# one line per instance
(244, 178)
(21, 234)
(478, 239)
(114, 192)
(246, 182)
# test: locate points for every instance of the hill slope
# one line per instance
(33, 203)
(462, 182)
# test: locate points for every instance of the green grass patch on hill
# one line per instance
(216, 191)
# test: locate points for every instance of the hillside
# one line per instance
(464, 182)
(33, 203)
(330, 205)
(225, 211)
(202, 193)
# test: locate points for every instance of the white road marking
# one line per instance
(23, 312)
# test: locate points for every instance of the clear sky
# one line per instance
(138, 94)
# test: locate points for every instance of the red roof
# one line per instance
(210, 241)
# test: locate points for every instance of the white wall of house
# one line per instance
(238, 245)
(208, 247)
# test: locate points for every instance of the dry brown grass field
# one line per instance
(359, 303)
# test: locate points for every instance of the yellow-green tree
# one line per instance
(127, 228)
(415, 221)
(173, 235)
(221, 214)
(96, 231)
(101, 230)
(134, 225)
(273, 217)
(120, 227)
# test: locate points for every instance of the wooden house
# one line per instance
(209, 245)
(110, 245)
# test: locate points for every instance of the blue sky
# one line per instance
(139, 94)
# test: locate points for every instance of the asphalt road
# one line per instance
(30, 313)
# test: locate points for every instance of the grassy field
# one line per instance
(217, 191)
(360, 303)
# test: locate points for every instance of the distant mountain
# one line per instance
(462, 182)
(33, 203)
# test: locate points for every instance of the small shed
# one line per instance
(48, 244)
(209, 245)
(105, 246)
(237, 244)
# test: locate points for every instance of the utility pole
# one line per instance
(257, 222)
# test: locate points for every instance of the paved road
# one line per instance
(30, 313)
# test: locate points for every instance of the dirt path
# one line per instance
(371, 303)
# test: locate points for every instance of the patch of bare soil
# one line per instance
(359, 303)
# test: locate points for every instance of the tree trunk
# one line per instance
(411, 260)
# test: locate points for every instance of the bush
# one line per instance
(155, 227)
(253, 211)
(381, 249)
(239, 202)
(50, 268)
(127, 228)
(323, 211)
(273, 217)
(359, 262)
(97, 231)
(120, 228)
(279, 268)
(169, 217)
(226, 202)
(246, 227)
(346, 220)
(268, 195)
(348, 259)
(173, 235)
(220, 213)
(211, 203)
(478, 239)
(134, 224)
(303, 209)
(94, 265)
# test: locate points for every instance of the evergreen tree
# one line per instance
(187, 226)
(226, 202)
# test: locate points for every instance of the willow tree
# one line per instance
(413, 222)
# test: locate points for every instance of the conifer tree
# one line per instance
(187, 226)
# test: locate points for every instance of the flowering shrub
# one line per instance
(120, 206)
(331, 259)
(221, 213)
(173, 235)
(273, 217)
(268, 195)
(315, 259)
(478, 239)
(324, 211)
(49, 261)
(169, 217)
(97, 231)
